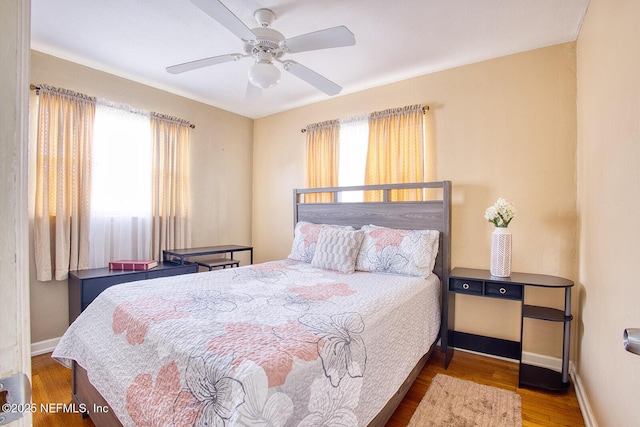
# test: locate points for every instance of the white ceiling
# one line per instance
(395, 40)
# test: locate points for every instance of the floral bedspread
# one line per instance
(278, 344)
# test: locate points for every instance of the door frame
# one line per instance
(15, 324)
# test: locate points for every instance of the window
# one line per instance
(354, 136)
(120, 185)
(384, 147)
(121, 167)
(98, 186)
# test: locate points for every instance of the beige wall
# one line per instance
(609, 202)
(221, 170)
(500, 128)
(507, 127)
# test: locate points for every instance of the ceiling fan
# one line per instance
(267, 46)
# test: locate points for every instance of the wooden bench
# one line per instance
(218, 262)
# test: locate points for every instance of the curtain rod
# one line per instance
(424, 110)
(36, 88)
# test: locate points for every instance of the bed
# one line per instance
(333, 336)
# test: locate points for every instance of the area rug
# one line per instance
(454, 402)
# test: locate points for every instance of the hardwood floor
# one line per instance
(51, 389)
(539, 408)
(52, 386)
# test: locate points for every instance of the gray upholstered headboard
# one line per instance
(434, 213)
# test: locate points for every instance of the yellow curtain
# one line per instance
(170, 217)
(322, 159)
(396, 151)
(63, 182)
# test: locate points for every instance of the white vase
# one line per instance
(501, 252)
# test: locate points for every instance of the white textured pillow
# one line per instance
(391, 250)
(305, 237)
(337, 249)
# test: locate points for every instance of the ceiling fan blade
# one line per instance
(200, 63)
(253, 92)
(225, 17)
(311, 77)
(323, 39)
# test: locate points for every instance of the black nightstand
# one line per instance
(482, 284)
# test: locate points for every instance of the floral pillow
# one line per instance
(305, 237)
(390, 250)
(337, 249)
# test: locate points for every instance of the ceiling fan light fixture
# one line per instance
(264, 75)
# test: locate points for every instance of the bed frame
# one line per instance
(434, 213)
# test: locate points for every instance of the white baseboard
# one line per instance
(553, 363)
(583, 401)
(42, 347)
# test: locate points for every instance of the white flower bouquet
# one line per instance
(501, 213)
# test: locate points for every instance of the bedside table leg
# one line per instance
(566, 337)
(448, 326)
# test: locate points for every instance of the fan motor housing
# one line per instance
(267, 40)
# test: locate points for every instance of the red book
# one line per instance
(133, 264)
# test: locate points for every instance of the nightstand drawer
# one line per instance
(503, 290)
(465, 286)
